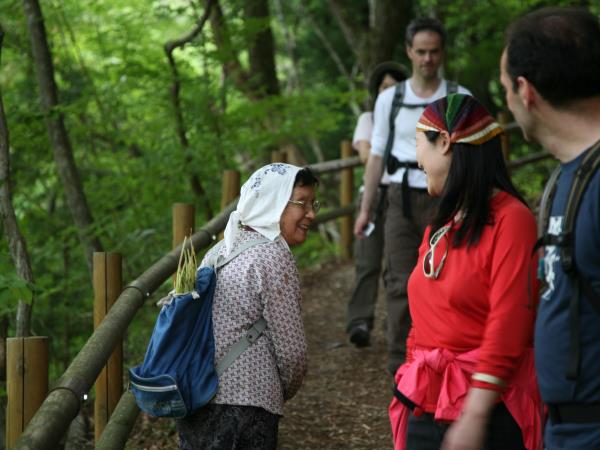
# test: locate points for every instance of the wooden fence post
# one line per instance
(278, 156)
(346, 192)
(108, 284)
(183, 224)
(503, 121)
(230, 189)
(26, 382)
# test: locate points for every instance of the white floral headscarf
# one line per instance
(262, 201)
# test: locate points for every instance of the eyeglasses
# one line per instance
(315, 205)
(429, 269)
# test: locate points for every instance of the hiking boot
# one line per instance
(360, 335)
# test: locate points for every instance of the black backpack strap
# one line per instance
(399, 91)
(566, 242)
(589, 166)
(586, 170)
(574, 328)
(544, 212)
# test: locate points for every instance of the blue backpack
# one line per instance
(178, 375)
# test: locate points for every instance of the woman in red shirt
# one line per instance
(469, 381)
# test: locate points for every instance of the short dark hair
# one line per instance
(558, 51)
(474, 172)
(306, 177)
(424, 24)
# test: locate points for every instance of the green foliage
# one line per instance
(12, 287)
(115, 90)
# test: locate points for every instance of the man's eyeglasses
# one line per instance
(315, 205)
(429, 269)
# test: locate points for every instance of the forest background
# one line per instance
(114, 110)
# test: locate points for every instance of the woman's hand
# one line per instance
(467, 433)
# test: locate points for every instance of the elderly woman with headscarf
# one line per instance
(276, 207)
(469, 380)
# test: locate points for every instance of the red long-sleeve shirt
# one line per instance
(484, 295)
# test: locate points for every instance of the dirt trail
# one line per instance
(343, 401)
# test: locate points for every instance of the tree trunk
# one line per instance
(59, 138)
(231, 64)
(196, 184)
(390, 20)
(373, 41)
(261, 49)
(16, 241)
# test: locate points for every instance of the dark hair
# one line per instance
(474, 172)
(424, 24)
(395, 74)
(558, 51)
(306, 177)
(397, 71)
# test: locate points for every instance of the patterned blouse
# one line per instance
(262, 280)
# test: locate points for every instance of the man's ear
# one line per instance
(527, 92)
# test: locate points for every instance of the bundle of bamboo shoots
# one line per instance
(186, 268)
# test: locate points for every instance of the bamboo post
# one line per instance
(108, 284)
(26, 382)
(230, 189)
(346, 191)
(183, 222)
(503, 121)
(278, 156)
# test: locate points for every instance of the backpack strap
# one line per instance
(249, 338)
(586, 170)
(399, 91)
(257, 328)
(566, 242)
(580, 283)
(221, 260)
(544, 212)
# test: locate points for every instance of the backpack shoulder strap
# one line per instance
(399, 91)
(584, 174)
(588, 167)
(221, 261)
(545, 205)
(257, 328)
(249, 337)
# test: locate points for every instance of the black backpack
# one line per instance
(566, 242)
(390, 162)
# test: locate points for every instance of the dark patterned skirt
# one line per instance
(229, 427)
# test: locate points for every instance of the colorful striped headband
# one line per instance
(463, 117)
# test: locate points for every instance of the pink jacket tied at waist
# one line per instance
(521, 397)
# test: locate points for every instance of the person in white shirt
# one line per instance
(409, 206)
(368, 252)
